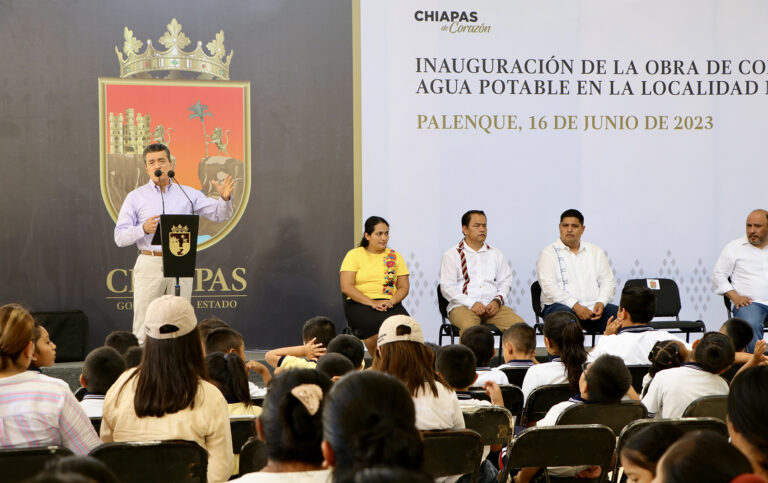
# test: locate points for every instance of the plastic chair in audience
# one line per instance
(20, 464)
(80, 393)
(452, 452)
(515, 375)
(708, 406)
(513, 398)
(638, 372)
(243, 428)
(685, 425)
(615, 416)
(143, 461)
(253, 455)
(589, 444)
(668, 305)
(258, 401)
(449, 330)
(96, 423)
(494, 424)
(541, 400)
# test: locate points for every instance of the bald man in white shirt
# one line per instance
(741, 274)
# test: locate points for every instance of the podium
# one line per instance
(177, 234)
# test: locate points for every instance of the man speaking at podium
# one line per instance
(140, 215)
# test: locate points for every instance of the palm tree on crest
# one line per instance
(201, 111)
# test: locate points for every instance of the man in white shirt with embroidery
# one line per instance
(575, 276)
(475, 278)
(745, 262)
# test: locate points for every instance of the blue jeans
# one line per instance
(609, 311)
(755, 314)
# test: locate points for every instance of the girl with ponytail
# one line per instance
(228, 373)
(565, 344)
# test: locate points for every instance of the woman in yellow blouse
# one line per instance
(375, 280)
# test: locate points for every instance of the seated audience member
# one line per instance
(643, 451)
(101, 369)
(228, 373)
(45, 350)
(701, 457)
(368, 421)
(672, 390)
(518, 344)
(606, 380)
(629, 336)
(168, 395)
(480, 340)
(334, 365)
(35, 410)
(121, 341)
(206, 326)
(390, 474)
(401, 352)
(349, 346)
(317, 333)
(740, 333)
(456, 365)
(664, 355)
(564, 341)
(229, 341)
(291, 425)
(91, 468)
(133, 357)
(747, 422)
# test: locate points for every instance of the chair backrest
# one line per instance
(442, 303)
(494, 424)
(513, 397)
(615, 416)
(708, 406)
(452, 452)
(258, 401)
(536, 299)
(590, 444)
(638, 372)
(80, 393)
(96, 423)
(20, 464)
(253, 456)
(685, 425)
(541, 400)
(667, 296)
(242, 427)
(143, 461)
(515, 375)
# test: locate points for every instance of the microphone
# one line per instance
(172, 175)
(159, 173)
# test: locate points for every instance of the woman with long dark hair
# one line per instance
(565, 344)
(168, 396)
(374, 279)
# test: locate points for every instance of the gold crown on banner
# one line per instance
(175, 59)
(179, 229)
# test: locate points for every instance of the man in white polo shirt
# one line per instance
(575, 276)
(741, 274)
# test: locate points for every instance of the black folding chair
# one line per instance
(143, 461)
(638, 372)
(449, 330)
(708, 407)
(615, 416)
(590, 444)
(452, 452)
(243, 428)
(20, 464)
(515, 375)
(494, 424)
(96, 423)
(541, 400)
(513, 398)
(668, 305)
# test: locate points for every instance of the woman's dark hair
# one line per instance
(169, 375)
(411, 362)
(228, 373)
(370, 225)
(564, 333)
(645, 448)
(703, 457)
(746, 408)
(370, 420)
(86, 466)
(16, 332)
(714, 353)
(290, 431)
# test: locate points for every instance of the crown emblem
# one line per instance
(179, 229)
(175, 59)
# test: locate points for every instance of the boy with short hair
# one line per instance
(206, 326)
(349, 346)
(629, 336)
(334, 365)
(518, 345)
(101, 369)
(121, 341)
(316, 334)
(480, 340)
(133, 356)
(739, 331)
(229, 341)
(457, 364)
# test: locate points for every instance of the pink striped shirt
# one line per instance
(36, 410)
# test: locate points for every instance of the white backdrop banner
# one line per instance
(648, 116)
